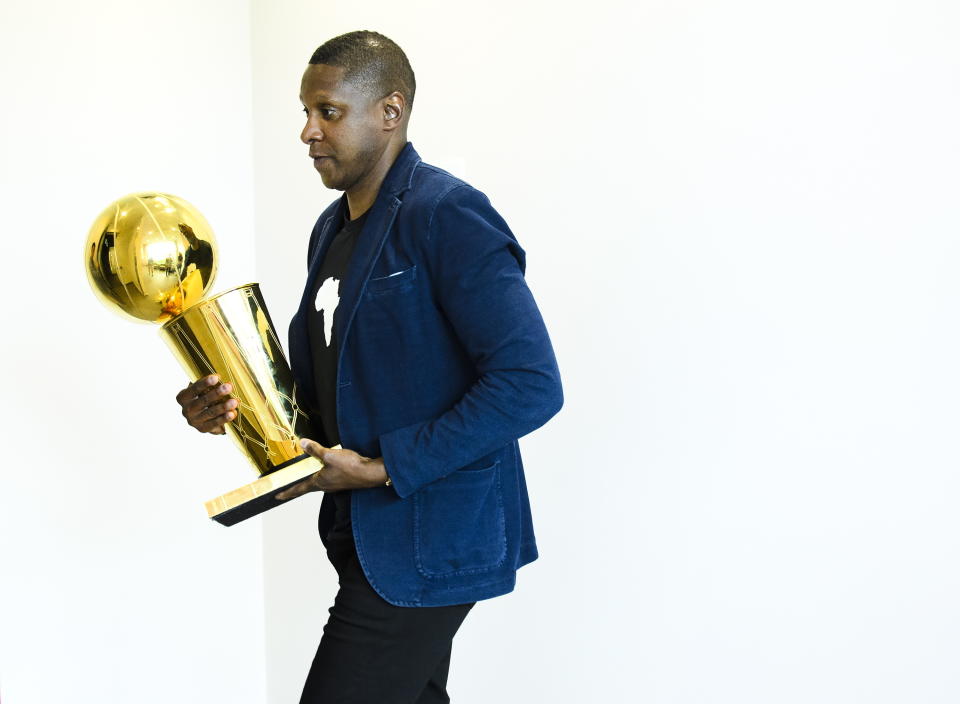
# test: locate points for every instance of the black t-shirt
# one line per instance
(323, 345)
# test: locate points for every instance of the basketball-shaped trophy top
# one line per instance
(150, 256)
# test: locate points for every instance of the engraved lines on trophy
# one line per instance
(248, 435)
(246, 430)
(187, 341)
(268, 412)
(266, 330)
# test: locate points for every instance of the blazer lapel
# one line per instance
(372, 238)
(365, 254)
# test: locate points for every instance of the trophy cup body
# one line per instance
(152, 257)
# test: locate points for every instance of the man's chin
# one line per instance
(330, 183)
(328, 178)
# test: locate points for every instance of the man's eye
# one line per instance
(325, 113)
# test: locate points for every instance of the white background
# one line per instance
(741, 224)
(114, 585)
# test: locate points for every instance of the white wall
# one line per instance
(740, 220)
(741, 224)
(115, 586)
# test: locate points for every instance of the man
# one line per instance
(422, 353)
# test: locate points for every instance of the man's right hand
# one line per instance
(207, 406)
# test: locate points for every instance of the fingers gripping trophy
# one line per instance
(152, 257)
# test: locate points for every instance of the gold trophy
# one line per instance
(152, 257)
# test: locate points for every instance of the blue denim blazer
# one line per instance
(444, 363)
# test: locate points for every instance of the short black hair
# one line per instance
(370, 61)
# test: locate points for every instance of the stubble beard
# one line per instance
(366, 160)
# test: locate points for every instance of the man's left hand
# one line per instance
(342, 469)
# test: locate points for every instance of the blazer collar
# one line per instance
(400, 176)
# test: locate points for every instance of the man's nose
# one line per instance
(311, 132)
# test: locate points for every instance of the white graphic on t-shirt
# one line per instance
(328, 297)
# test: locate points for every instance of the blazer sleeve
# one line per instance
(477, 269)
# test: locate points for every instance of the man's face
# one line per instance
(344, 127)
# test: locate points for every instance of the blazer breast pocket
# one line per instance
(392, 283)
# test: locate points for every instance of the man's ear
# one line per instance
(394, 111)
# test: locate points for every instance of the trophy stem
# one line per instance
(231, 335)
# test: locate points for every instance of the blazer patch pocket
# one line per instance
(392, 283)
(459, 525)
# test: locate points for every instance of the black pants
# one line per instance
(373, 652)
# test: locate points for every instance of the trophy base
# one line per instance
(259, 496)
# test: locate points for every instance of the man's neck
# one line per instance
(363, 194)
